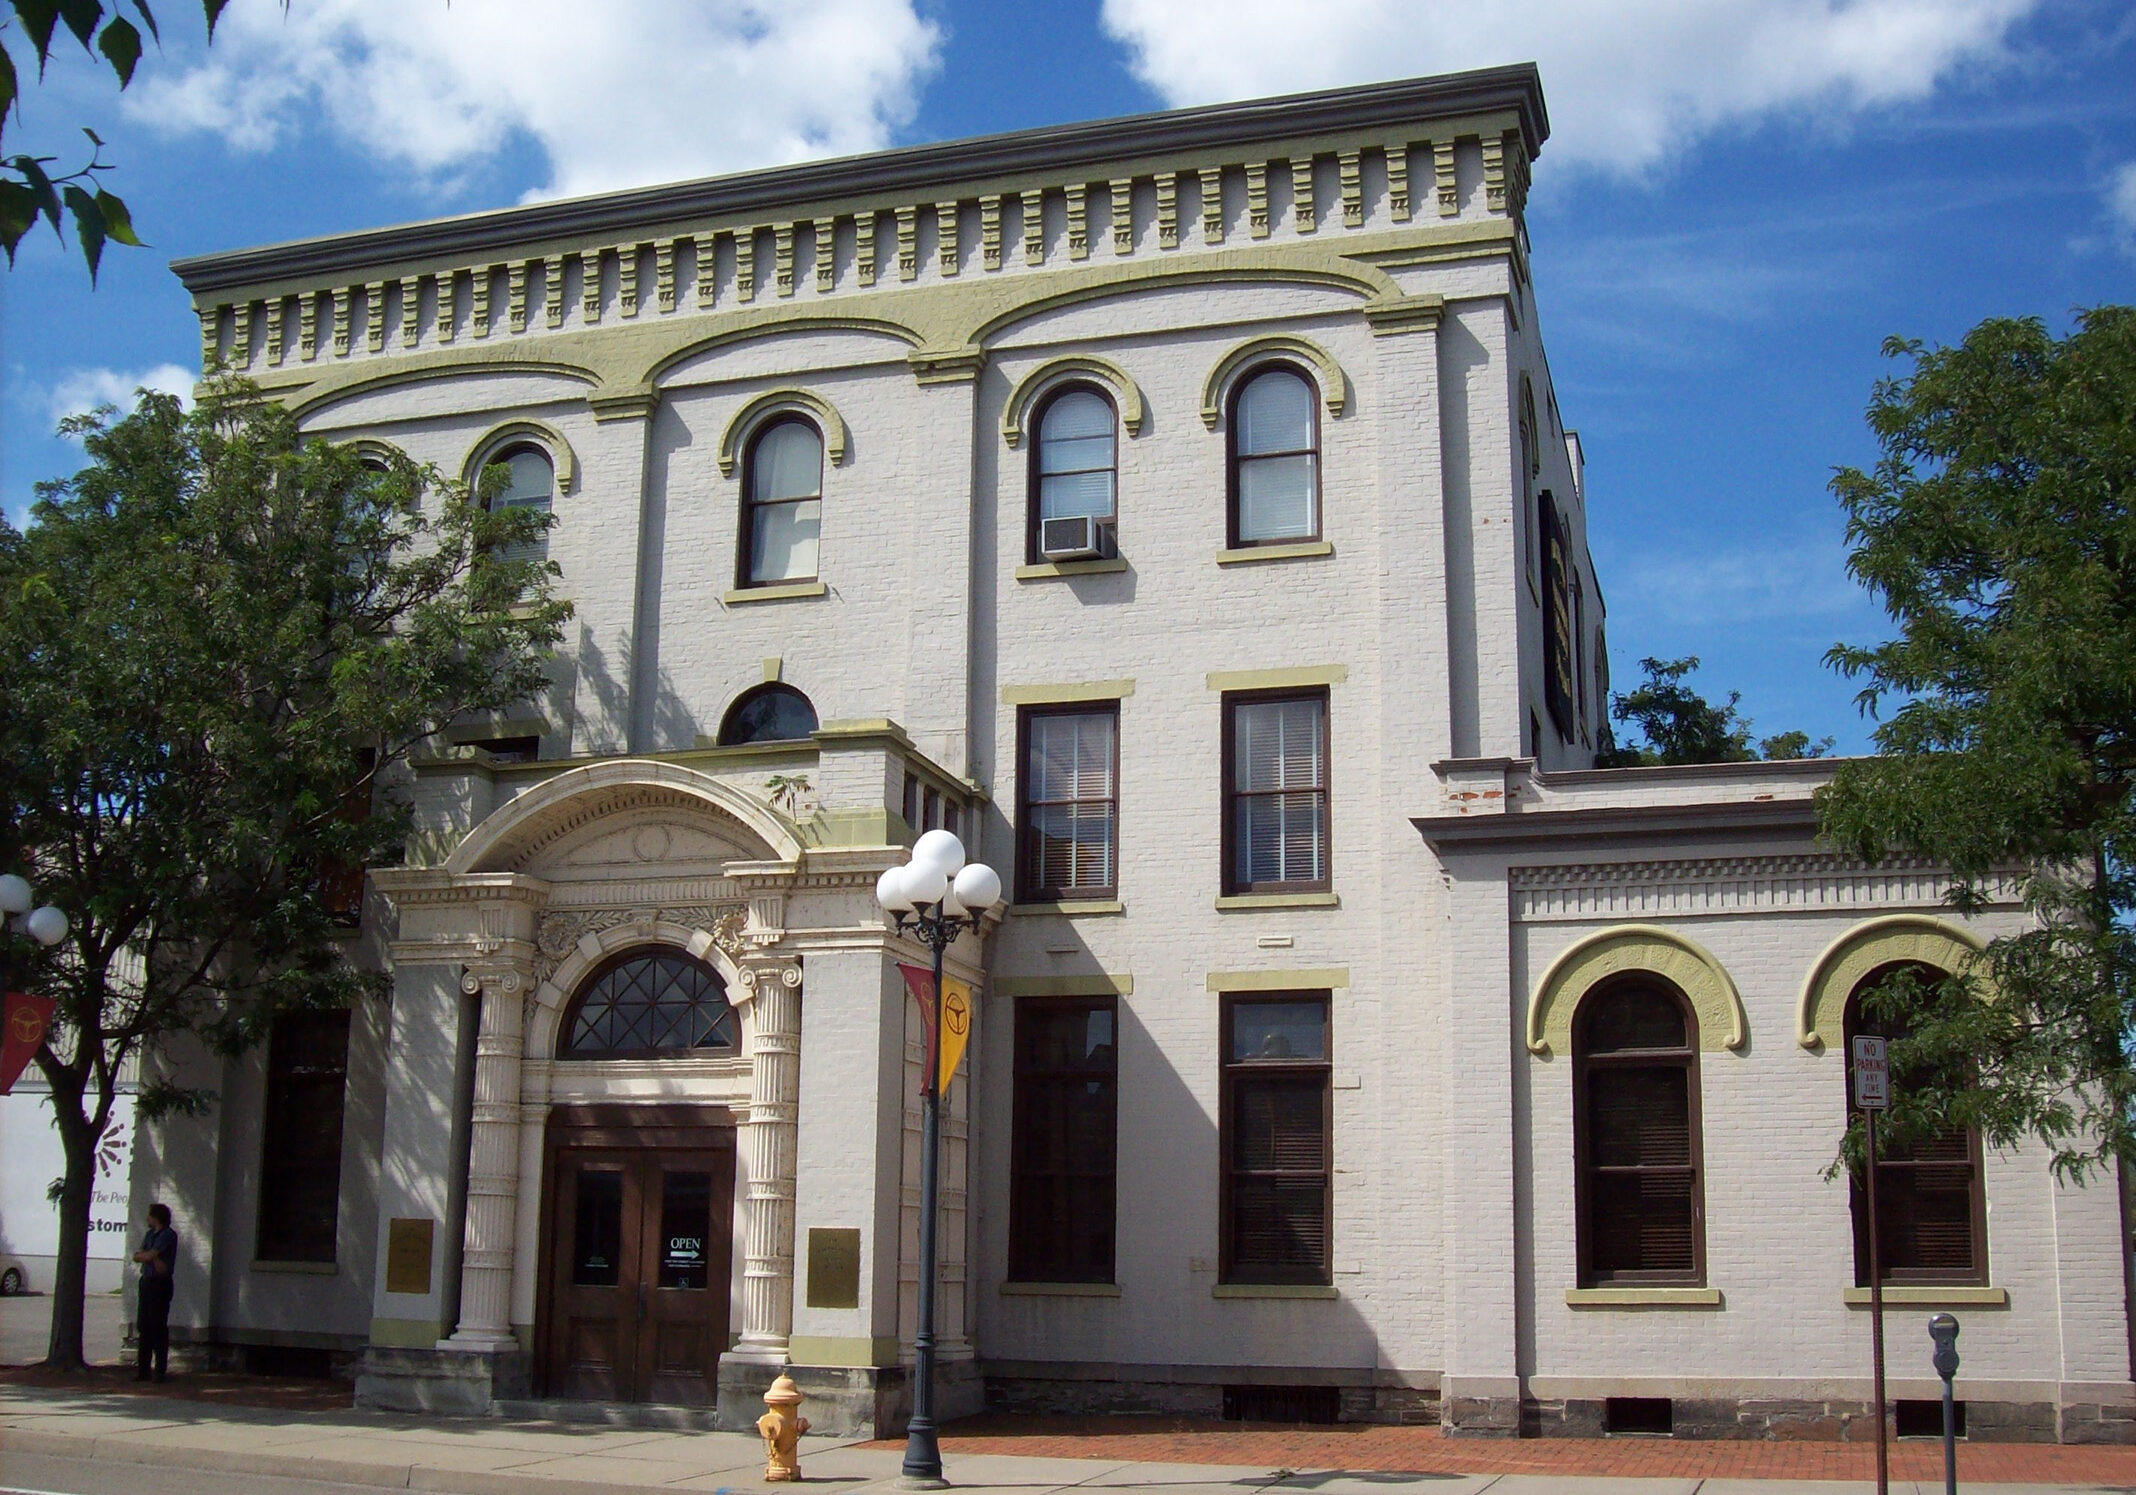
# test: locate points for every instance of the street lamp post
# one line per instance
(935, 897)
(46, 925)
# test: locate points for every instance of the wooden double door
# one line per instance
(639, 1251)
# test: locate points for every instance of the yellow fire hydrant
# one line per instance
(782, 1428)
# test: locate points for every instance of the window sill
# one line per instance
(1234, 902)
(779, 593)
(1247, 555)
(1060, 1289)
(1045, 570)
(1933, 1297)
(300, 1268)
(1312, 1290)
(1072, 907)
(1642, 1297)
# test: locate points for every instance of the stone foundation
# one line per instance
(455, 1383)
(848, 1400)
(1763, 1418)
(1026, 1393)
(2088, 1422)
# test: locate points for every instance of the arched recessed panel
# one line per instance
(768, 406)
(770, 713)
(558, 807)
(514, 432)
(1041, 380)
(1334, 385)
(1893, 940)
(1685, 964)
(653, 1001)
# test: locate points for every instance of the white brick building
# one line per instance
(1284, 727)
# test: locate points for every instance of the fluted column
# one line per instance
(769, 1147)
(492, 1158)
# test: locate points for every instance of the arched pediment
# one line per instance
(1089, 367)
(1892, 940)
(629, 810)
(1685, 963)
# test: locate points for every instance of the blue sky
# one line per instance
(1740, 200)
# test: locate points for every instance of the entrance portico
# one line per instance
(575, 1141)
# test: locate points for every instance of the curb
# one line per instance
(136, 1449)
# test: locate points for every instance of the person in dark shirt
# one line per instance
(158, 1257)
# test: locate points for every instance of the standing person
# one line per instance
(158, 1257)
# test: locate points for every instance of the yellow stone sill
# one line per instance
(1046, 570)
(1933, 1297)
(1236, 902)
(1073, 908)
(1060, 1289)
(299, 1268)
(1273, 1290)
(1247, 555)
(780, 593)
(1642, 1297)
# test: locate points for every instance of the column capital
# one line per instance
(763, 971)
(508, 972)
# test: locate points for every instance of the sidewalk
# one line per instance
(488, 1456)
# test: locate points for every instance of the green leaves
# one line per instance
(1682, 726)
(1998, 530)
(27, 190)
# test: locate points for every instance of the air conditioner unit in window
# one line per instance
(1070, 539)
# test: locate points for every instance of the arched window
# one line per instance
(1275, 459)
(1636, 1136)
(531, 484)
(1074, 476)
(1931, 1213)
(770, 713)
(782, 478)
(648, 1003)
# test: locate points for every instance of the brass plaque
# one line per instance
(834, 1269)
(408, 1256)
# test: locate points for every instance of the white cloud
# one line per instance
(1702, 585)
(625, 93)
(83, 390)
(1628, 82)
(2121, 202)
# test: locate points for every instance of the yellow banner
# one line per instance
(956, 1029)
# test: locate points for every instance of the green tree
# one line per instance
(1998, 531)
(1681, 726)
(222, 638)
(28, 188)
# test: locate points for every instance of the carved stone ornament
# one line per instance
(559, 930)
(786, 973)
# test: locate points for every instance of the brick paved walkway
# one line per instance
(1413, 1450)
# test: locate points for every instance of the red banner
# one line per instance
(23, 1023)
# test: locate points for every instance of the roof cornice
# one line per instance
(1515, 90)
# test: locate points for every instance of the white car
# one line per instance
(14, 1276)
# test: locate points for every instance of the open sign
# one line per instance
(1872, 1074)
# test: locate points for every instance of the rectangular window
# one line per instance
(300, 1157)
(1276, 793)
(1062, 1154)
(932, 814)
(1067, 803)
(912, 802)
(1278, 1139)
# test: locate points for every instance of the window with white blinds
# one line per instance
(530, 485)
(1278, 1143)
(1276, 793)
(1275, 460)
(1635, 1098)
(784, 510)
(1076, 455)
(1068, 803)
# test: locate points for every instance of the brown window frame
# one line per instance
(1028, 1260)
(1887, 1167)
(1585, 1169)
(1037, 443)
(745, 545)
(1028, 888)
(568, 1049)
(1236, 1074)
(287, 1165)
(1239, 386)
(1232, 884)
